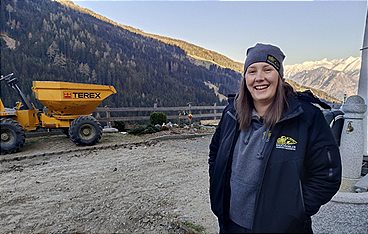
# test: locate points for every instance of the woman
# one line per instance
(273, 160)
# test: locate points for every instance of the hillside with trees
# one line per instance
(199, 54)
(46, 40)
(60, 41)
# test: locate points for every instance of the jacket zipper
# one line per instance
(330, 170)
(301, 194)
(262, 177)
(274, 135)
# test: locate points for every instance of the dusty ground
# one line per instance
(124, 184)
(141, 186)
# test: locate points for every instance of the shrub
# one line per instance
(136, 131)
(158, 118)
(151, 129)
(144, 130)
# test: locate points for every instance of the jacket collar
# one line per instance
(293, 108)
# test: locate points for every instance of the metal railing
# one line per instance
(107, 114)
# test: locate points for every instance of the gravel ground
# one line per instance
(337, 217)
(151, 188)
(141, 186)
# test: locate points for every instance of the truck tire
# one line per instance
(85, 130)
(12, 136)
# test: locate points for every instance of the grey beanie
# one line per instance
(265, 53)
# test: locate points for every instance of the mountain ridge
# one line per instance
(338, 77)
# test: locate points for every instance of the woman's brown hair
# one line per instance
(244, 105)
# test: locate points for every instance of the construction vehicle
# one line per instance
(67, 106)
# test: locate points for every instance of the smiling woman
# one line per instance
(262, 81)
(273, 161)
(263, 89)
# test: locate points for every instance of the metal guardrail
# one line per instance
(107, 114)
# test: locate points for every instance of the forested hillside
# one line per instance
(58, 40)
(46, 40)
(200, 55)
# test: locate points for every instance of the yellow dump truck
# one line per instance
(67, 106)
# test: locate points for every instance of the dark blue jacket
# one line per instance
(302, 172)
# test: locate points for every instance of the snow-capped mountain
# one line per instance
(336, 77)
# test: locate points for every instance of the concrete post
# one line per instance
(108, 117)
(363, 81)
(352, 141)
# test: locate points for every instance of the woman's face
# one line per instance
(262, 80)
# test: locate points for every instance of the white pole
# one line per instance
(363, 80)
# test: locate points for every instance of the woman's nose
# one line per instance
(259, 76)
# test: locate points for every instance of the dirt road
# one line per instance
(159, 187)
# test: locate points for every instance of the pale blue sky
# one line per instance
(305, 30)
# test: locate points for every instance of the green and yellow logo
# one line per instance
(287, 143)
(271, 59)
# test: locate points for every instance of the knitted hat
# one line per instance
(265, 53)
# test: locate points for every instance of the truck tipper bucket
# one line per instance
(65, 98)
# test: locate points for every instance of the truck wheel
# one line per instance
(85, 130)
(12, 136)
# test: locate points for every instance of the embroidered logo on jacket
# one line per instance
(285, 142)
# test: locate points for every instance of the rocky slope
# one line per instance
(336, 77)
